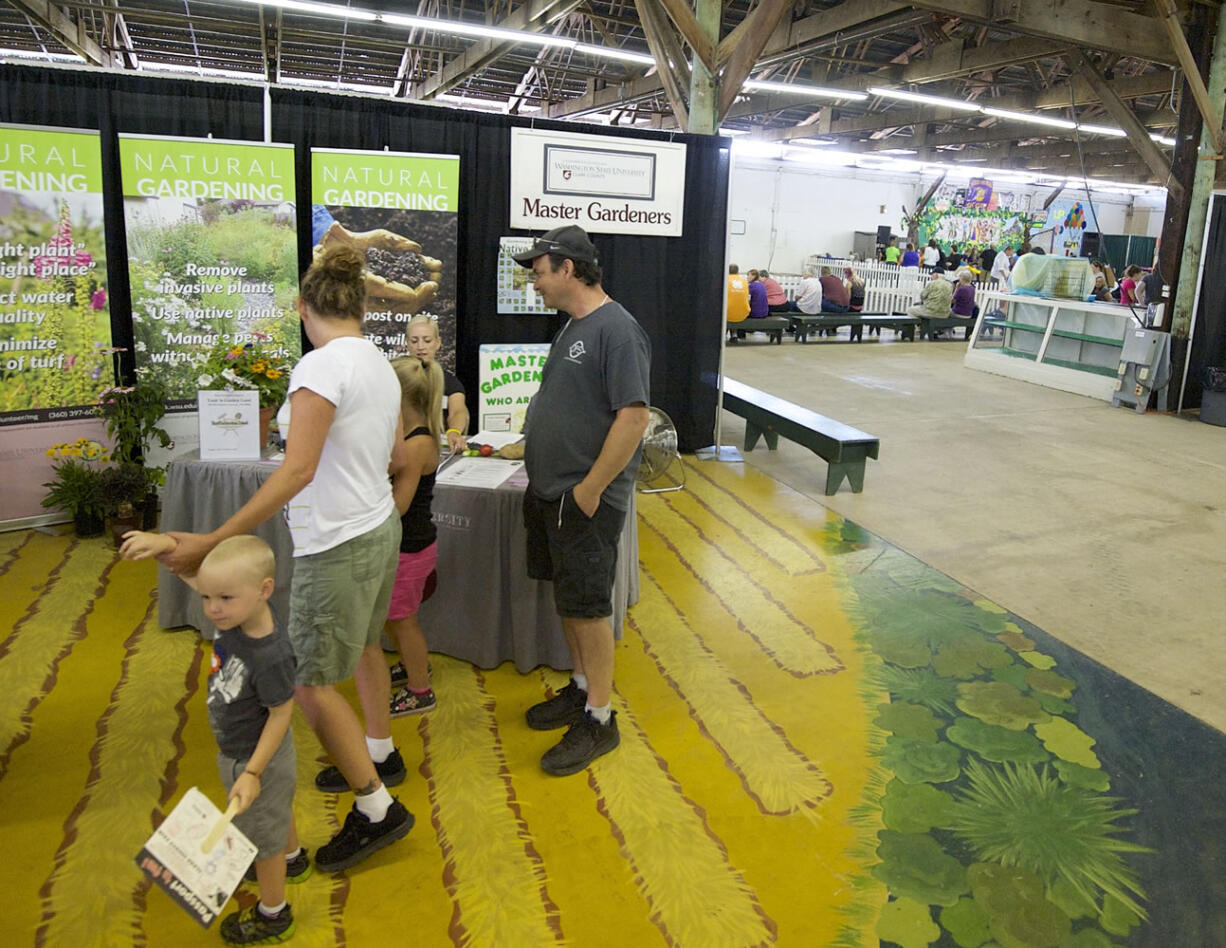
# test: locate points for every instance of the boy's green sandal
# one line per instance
(250, 926)
(297, 869)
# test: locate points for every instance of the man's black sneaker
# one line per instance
(586, 740)
(252, 927)
(391, 772)
(359, 837)
(297, 869)
(562, 710)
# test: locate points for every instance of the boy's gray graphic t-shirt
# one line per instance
(247, 677)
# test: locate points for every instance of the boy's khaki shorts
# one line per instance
(338, 603)
(266, 821)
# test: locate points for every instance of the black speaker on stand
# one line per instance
(883, 236)
(1089, 243)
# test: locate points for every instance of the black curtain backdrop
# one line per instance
(673, 286)
(1209, 332)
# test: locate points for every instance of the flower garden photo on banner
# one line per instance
(213, 256)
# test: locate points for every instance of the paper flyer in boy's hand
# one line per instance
(201, 882)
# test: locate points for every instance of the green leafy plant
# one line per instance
(132, 414)
(252, 366)
(76, 488)
(1021, 816)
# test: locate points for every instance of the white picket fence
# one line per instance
(887, 288)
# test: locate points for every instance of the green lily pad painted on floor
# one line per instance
(914, 866)
(998, 702)
(967, 922)
(919, 762)
(1068, 742)
(908, 923)
(992, 742)
(908, 720)
(915, 807)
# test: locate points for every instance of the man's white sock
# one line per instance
(374, 806)
(600, 714)
(380, 748)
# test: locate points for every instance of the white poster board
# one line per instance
(603, 183)
(174, 858)
(229, 425)
(508, 375)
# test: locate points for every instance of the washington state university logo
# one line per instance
(576, 350)
(566, 173)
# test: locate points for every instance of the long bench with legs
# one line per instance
(773, 326)
(803, 324)
(844, 449)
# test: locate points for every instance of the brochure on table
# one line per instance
(229, 425)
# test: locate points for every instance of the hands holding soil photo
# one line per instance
(398, 272)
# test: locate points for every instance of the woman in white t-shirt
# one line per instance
(344, 440)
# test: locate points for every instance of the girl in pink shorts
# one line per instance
(421, 387)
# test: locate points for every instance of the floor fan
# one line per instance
(659, 454)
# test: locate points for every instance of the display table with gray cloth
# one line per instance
(486, 610)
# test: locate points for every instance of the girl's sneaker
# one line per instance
(252, 927)
(400, 677)
(406, 702)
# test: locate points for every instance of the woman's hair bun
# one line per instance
(341, 263)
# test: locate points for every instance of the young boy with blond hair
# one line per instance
(250, 698)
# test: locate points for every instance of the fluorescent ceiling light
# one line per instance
(796, 88)
(898, 151)
(474, 29)
(609, 52)
(40, 55)
(757, 149)
(1163, 140)
(926, 99)
(734, 131)
(1032, 119)
(813, 142)
(1103, 130)
(319, 9)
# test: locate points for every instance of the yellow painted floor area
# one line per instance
(743, 807)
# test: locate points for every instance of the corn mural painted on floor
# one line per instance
(823, 742)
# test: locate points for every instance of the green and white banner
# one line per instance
(400, 210)
(55, 323)
(212, 254)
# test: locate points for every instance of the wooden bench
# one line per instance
(773, 326)
(803, 323)
(844, 448)
(929, 323)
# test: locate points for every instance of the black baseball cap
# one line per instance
(569, 241)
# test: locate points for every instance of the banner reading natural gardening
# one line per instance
(55, 325)
(212, 255)
(399, 210)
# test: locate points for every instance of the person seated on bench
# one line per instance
(776, 298)
(935, 298)
(964, 297)
(855, 290)
(738, 295)
(834, 294)
(809, 294)
(758, 307)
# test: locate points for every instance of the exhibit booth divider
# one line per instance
(672, 285)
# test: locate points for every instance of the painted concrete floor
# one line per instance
(1105, 528)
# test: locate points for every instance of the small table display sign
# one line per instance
(197, 857)
(229, 425)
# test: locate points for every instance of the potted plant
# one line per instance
(257, 366)
(123, 488)
(76, 487)
(132, 414)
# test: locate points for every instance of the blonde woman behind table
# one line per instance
(423, 341)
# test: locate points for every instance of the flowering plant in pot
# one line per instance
(254, 365)
(76, 487)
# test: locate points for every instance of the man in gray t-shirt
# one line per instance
(581, 451)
